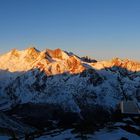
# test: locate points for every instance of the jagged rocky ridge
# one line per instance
(63, 81)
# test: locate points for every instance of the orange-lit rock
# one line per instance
(57, 53)
(57, 61)
(75, 65)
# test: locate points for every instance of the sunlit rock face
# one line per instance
(64, 79)
(123, 63)
(19, 60)
(51, 61)
(58, 53)
(56, 61)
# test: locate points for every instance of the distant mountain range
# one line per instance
(57, 61)
(63, 81)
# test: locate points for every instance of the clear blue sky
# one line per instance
(101, 29)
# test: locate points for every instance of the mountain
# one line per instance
(64, 82)
(122, 63)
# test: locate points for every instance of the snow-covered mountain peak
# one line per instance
(51, 61)
(57, 53)
(117, 62)
(57, 61)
